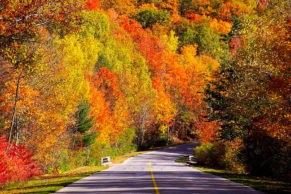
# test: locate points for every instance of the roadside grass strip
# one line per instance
(264, 184)
(50, 183)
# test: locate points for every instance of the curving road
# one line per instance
(156, 172)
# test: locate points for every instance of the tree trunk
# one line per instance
(88, 155)
(14, 117)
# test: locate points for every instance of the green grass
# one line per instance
(265, 184)
(51, 183)
(182, 160)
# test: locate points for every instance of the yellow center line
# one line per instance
(153, 178)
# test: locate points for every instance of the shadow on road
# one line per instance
(134, 176)
(167, 182)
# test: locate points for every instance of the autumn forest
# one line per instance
(83, 79)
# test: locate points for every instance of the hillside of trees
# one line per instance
(80, 79)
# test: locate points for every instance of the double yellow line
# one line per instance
(153, 178)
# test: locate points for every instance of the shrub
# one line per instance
(125, 142)
(162, 141)
(102, 149)
(233, 159)
(210, 154)
(226, 155)
(16, 163)
(267, 156)
(154, 138)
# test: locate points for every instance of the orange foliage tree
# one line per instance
(108, 106)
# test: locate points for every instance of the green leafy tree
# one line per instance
(207, 39)
(147, 18)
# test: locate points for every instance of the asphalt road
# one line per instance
(156, 172)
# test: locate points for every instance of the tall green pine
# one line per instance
(84, 124)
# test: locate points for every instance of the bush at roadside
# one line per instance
(224, 155)
(210, 154)
(16, 163)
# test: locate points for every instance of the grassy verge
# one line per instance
(264, 184)
(51, 183)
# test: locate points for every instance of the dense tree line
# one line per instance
(83, 79)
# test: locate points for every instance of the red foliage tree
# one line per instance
(16, 163)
